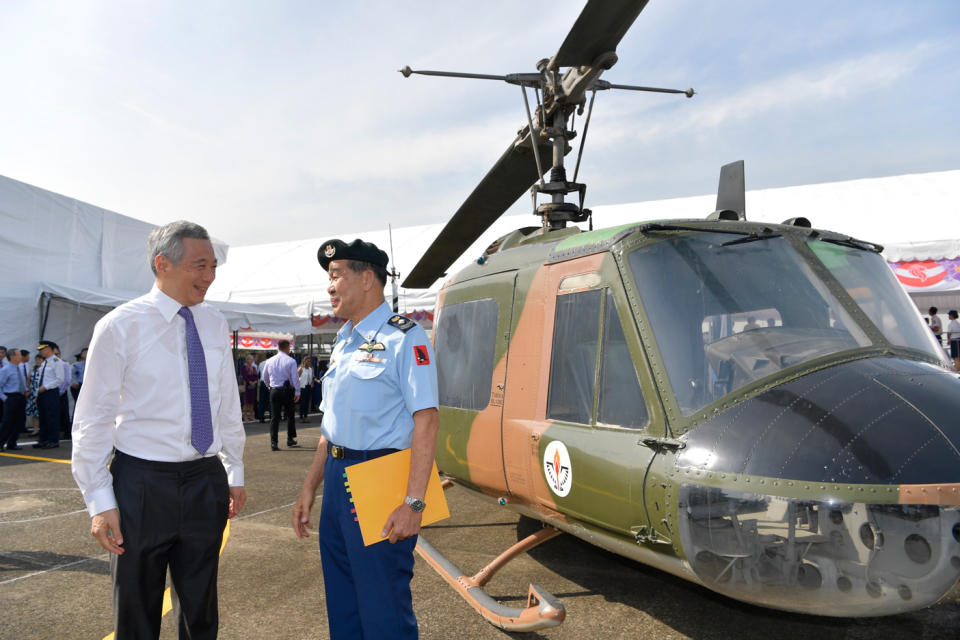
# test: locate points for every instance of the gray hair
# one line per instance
(168, 241)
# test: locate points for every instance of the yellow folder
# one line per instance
(378, 486)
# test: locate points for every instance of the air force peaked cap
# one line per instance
(356, 250)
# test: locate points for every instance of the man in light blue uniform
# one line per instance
(379, 396)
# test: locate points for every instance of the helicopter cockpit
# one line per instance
(726, 312)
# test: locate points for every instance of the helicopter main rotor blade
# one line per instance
(512, 174)
(599, 29)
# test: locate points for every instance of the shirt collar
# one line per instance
(370, 324)
(167, 306)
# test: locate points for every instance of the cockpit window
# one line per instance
(872, 285)
(727, 315)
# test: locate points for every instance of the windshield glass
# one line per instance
(869, 281)
(726, 316)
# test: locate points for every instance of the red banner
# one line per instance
(252, 342)
(928, 275)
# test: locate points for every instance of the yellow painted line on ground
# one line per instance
(167, 601)
(20, 455)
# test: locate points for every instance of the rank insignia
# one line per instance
(370, 347)
(329, 250)
(401, 322)
(421, 354)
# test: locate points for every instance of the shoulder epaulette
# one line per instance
(401, 322)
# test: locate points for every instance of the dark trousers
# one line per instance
(282, 398)
(65, 416)
(180, 528)
(14, 418)
(48, 406)
(306, 397)
(263, 401)
(367, 588)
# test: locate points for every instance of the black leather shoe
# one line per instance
(274, 447)
(14, 447)
(291, 443)
(50, 445)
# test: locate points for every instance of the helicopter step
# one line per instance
(543, 610)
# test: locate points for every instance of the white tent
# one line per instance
(889, 211)
(66, 263)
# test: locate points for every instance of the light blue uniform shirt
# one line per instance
(9, 378)
(76, 372)
(371, 393)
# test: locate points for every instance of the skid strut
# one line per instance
(543, 609)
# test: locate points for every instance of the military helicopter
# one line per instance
(757, 408)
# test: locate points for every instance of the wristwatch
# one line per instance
(416, 504)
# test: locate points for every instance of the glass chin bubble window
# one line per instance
(822, 557)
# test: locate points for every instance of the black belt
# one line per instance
(162, 465)
(340, 453)
(14, 393)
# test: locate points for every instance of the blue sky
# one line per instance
(282, 120)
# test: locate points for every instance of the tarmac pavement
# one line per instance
(55, 583)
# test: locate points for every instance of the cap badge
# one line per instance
(329, 250)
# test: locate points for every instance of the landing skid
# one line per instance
(543, 610)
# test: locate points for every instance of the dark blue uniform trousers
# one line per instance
(367, 588)
(48, 406)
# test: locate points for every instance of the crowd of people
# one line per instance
(255, 394)
(37, 393)
(29, 408)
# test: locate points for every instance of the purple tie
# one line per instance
(201, 426)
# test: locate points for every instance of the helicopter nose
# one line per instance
(836, 493)
(871, 421)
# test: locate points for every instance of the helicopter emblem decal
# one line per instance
(557, 468)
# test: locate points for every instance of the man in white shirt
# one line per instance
(279, 375)
(953, 338)
(935, 325)
(48, 396)
(160, 387)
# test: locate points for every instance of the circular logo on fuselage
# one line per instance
(557, 468)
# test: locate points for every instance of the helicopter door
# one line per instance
(471, 338)
(589, 454)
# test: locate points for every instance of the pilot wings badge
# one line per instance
(371, 346)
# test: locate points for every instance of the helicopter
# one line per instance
(757, 408)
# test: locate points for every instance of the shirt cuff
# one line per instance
(235, 477)
(100, 500)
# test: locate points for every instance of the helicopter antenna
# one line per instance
(393, 273)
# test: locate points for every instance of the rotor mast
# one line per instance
(588, 50)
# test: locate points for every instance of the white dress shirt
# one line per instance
(136, 394)
(306, 377)
(51, 373)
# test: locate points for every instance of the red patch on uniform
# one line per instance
(421, 354)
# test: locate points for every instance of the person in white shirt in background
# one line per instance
(953, 338)
(306, 387)
(48, 396)
(160, 387)
(935, 324)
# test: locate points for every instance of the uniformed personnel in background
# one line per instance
(48, 396)
(379, 396)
